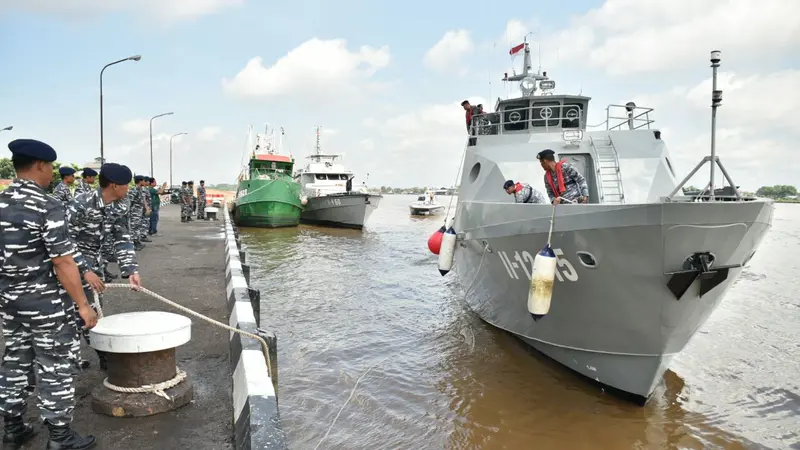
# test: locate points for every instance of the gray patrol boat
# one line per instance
(639, 269)
(327, 190)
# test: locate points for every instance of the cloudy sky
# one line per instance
(384, 79)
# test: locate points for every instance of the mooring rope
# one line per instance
(158, 297)
(157, 388)
(458, 174)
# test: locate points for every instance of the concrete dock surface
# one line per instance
(184, 263)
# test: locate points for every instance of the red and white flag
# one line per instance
(516, 49)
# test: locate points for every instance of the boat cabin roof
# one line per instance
(272, 157)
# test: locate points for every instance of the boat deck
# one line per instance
(184, 264)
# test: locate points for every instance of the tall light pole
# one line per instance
(170, 157)
(130, 58)
(8, 128)
(151, 138)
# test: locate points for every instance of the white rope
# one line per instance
(261, 340)
(157, 388)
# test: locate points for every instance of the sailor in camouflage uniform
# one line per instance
(40, 277)
(95, 215)
(562, 180)
(136, 212)
(201, 200)
(523, 192)
(144, 225)
(63, 191)
(87, 180)
(186, 202)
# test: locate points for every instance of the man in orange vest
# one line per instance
(523, 192)
(562, 180)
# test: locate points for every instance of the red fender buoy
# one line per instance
(435, 241)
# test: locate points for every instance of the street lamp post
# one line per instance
(130, 58)
(170, 157)
(8, 128)
(151, 139)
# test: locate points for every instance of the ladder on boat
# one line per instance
(608, 172)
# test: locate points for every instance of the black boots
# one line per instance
(65, 438)
(17, 432)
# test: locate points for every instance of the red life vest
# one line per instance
(560, 176)
(517, 187)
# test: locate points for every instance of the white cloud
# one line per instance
(516, 30)
(136, 126)
(172, 10)
(317, 69)
(208, 133)
(446, 54)
(755, 126)
(634, 36)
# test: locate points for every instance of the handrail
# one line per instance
(494, 123)
(630, 120)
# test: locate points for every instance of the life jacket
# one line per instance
(557, 192)
(518, 187)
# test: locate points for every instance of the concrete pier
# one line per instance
(185, 263)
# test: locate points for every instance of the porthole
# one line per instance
(587, 260)
(473, 174)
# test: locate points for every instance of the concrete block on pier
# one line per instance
(256, 419)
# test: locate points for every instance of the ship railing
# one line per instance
(539, 119)
(632, 117)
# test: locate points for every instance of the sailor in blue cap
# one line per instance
(40, 281)
(523, 192)
(87, 180)
(93, 217)
(562, 180)
(63, 191)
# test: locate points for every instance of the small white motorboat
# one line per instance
(425, 205)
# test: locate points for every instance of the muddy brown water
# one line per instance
(343, 302)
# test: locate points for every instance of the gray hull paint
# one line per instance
(617, 322)
(345, 211)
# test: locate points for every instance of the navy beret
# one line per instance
(89, 172)
(66, 171)
(33, 149)
(545, 152)
(116, 173)
(202, 181)
(137, 178)
(508, 184)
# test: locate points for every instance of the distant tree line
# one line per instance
(778, 192)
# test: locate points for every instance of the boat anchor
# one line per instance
(699, 265)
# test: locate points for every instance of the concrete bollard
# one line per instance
(140, 352)
(246, 272)
(255, 302)
(272, 345)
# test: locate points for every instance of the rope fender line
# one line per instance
(264, 346)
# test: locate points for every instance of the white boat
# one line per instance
(426, 205)
(330, 199)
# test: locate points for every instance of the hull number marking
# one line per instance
(524, 262)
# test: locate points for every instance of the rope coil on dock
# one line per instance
(157, 388)
(160, 298)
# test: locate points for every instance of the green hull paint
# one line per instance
(268, 204)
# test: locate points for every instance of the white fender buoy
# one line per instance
(304, 200)
(447, 251)
(542, 279)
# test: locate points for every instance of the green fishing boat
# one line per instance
(267, 196)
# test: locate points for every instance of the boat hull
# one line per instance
(612, 318)
(273, 204)
(425, 210)
(342, 211)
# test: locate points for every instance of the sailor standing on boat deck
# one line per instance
(562, 180)
(87, 180)
(93, 216)
(523, 192)
(62, 191)
(40, 284)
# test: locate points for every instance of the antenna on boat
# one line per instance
(317, 147)
(527, 78)
(716, 101)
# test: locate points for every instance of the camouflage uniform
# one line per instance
(63, 194)
(91, 222)
(201, 202)
(82, 187)
(37, 312)
(574, 183)
(136, 212)
(529, 195)
(186, 204)
(144, 227)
